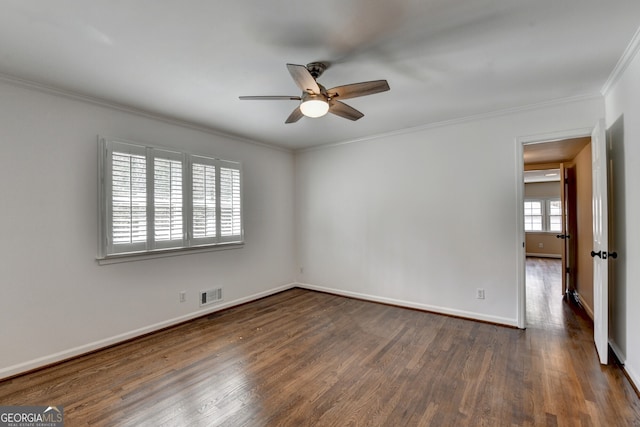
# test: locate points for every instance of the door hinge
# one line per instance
(567, 270)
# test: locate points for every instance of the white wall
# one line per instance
(623, 121)
(542, 189)
(55, 300)
(423, 218)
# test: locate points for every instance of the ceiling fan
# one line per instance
(316, 100)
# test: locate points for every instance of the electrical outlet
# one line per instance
(541, 245)
(301, 270)
(183, 296)
(480, 293)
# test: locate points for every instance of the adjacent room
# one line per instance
(341, 213)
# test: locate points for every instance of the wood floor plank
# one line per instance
(302, 358)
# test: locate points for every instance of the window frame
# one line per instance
(542, 210)
(546, 214)
(107, 250)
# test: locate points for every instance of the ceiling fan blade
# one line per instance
(358, 89)
(270, 98)
(343, 110)
(303, 78)
(294, 116)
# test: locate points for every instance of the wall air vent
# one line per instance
(210, 296)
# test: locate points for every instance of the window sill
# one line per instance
(163, 253)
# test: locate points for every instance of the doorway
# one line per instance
(558, 224)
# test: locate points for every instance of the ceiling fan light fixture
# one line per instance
(316, 100)
(314, 106)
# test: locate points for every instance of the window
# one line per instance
(155, 199)
(205, 208)
(533, 215)
(544, 215)
(554, 212)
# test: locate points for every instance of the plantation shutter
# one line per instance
(204, 200)
(230, 204)
(168, 215)
(154, 199)
(128, 198)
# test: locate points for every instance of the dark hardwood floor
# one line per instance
(303, 358)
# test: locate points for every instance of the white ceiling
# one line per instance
(191, 59)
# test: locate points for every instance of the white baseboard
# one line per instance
(588, 309)
(97, 345)
(631, 374)
(621, 357)
(418, 306)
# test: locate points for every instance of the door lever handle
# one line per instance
(604, 255)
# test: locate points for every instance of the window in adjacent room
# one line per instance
(533, 215)
(544, 215)
(156, 199)
(554, 213)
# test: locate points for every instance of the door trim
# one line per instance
(521, 141)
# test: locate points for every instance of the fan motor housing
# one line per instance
(316, 68)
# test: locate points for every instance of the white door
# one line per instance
(600, 252)
(565, 231)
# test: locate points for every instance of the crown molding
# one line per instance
(627, 57)
(76, 96)
(461, 120)
(29, 84)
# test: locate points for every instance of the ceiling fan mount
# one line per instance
(317, 68)
(316, 100)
